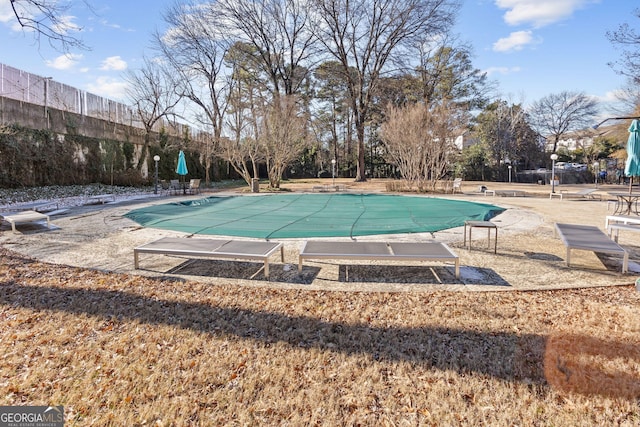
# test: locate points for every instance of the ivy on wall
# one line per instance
(31, 157)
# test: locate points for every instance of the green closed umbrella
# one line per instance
(181, 169)
(632, 165)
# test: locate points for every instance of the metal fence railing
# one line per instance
(32, 88)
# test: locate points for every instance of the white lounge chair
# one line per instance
(411, 251)
(194, 186)
(175, 187)
(211, 248)
(25, 217)
(622, 219)
(590, 238)
(100, 198)
(587, 193)
(457, 186)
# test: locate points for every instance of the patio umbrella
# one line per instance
(181, 169)
(632, 166)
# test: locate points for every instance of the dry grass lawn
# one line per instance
(120, 350)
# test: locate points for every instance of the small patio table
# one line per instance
(482, 224)
(627, 203)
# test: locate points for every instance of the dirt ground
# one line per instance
(529, 256)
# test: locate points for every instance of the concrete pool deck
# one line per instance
(529, 255)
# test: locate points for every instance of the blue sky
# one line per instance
(532, 48)
(537, 47)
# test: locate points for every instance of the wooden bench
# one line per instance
(25, 217)
(590, 238)
(411, 251)
(211, 248)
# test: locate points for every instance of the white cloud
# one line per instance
(65, 24)
(64, 62)
(6, 14)
(109, 88)
(502, 70)
(539, 12)
(114, 63)
(517, 40)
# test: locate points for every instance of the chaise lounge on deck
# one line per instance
(590, 238)
(411, 251)
(25, 217)
(587, 193)
(211, 248)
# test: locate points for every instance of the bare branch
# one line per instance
(49, 19)
(556, 114)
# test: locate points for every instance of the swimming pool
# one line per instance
(312, 215)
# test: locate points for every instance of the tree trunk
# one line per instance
(360, 115)
(145, 149)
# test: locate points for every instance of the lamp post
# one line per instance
(554, 157)
(510, 174)
(333, 171)
(156, 159)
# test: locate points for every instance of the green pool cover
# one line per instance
(311, 215)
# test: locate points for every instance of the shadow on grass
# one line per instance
(246, 270)
(528, 358)
(568, 362)
(288, 273)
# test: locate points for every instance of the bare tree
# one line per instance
(282, 136)
(334, 110)
(280, 33)
(49, 19)
(195, 48)
(419, 140)
(557, 114)
(242, 155)
(151, 90)
(363, 36)
(628, 38)
(245, 100)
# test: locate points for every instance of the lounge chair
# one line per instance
(38, 207)
(457, 186)
(590, 238)
(587, 193)
(100, 199)
(211, 248)
(165, 187)
(25, 217)
(623, 219)
(412, 251)
(194, 186)
(613, 230)
(506, 193)
(174, 186)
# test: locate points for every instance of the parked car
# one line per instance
(561, 165)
